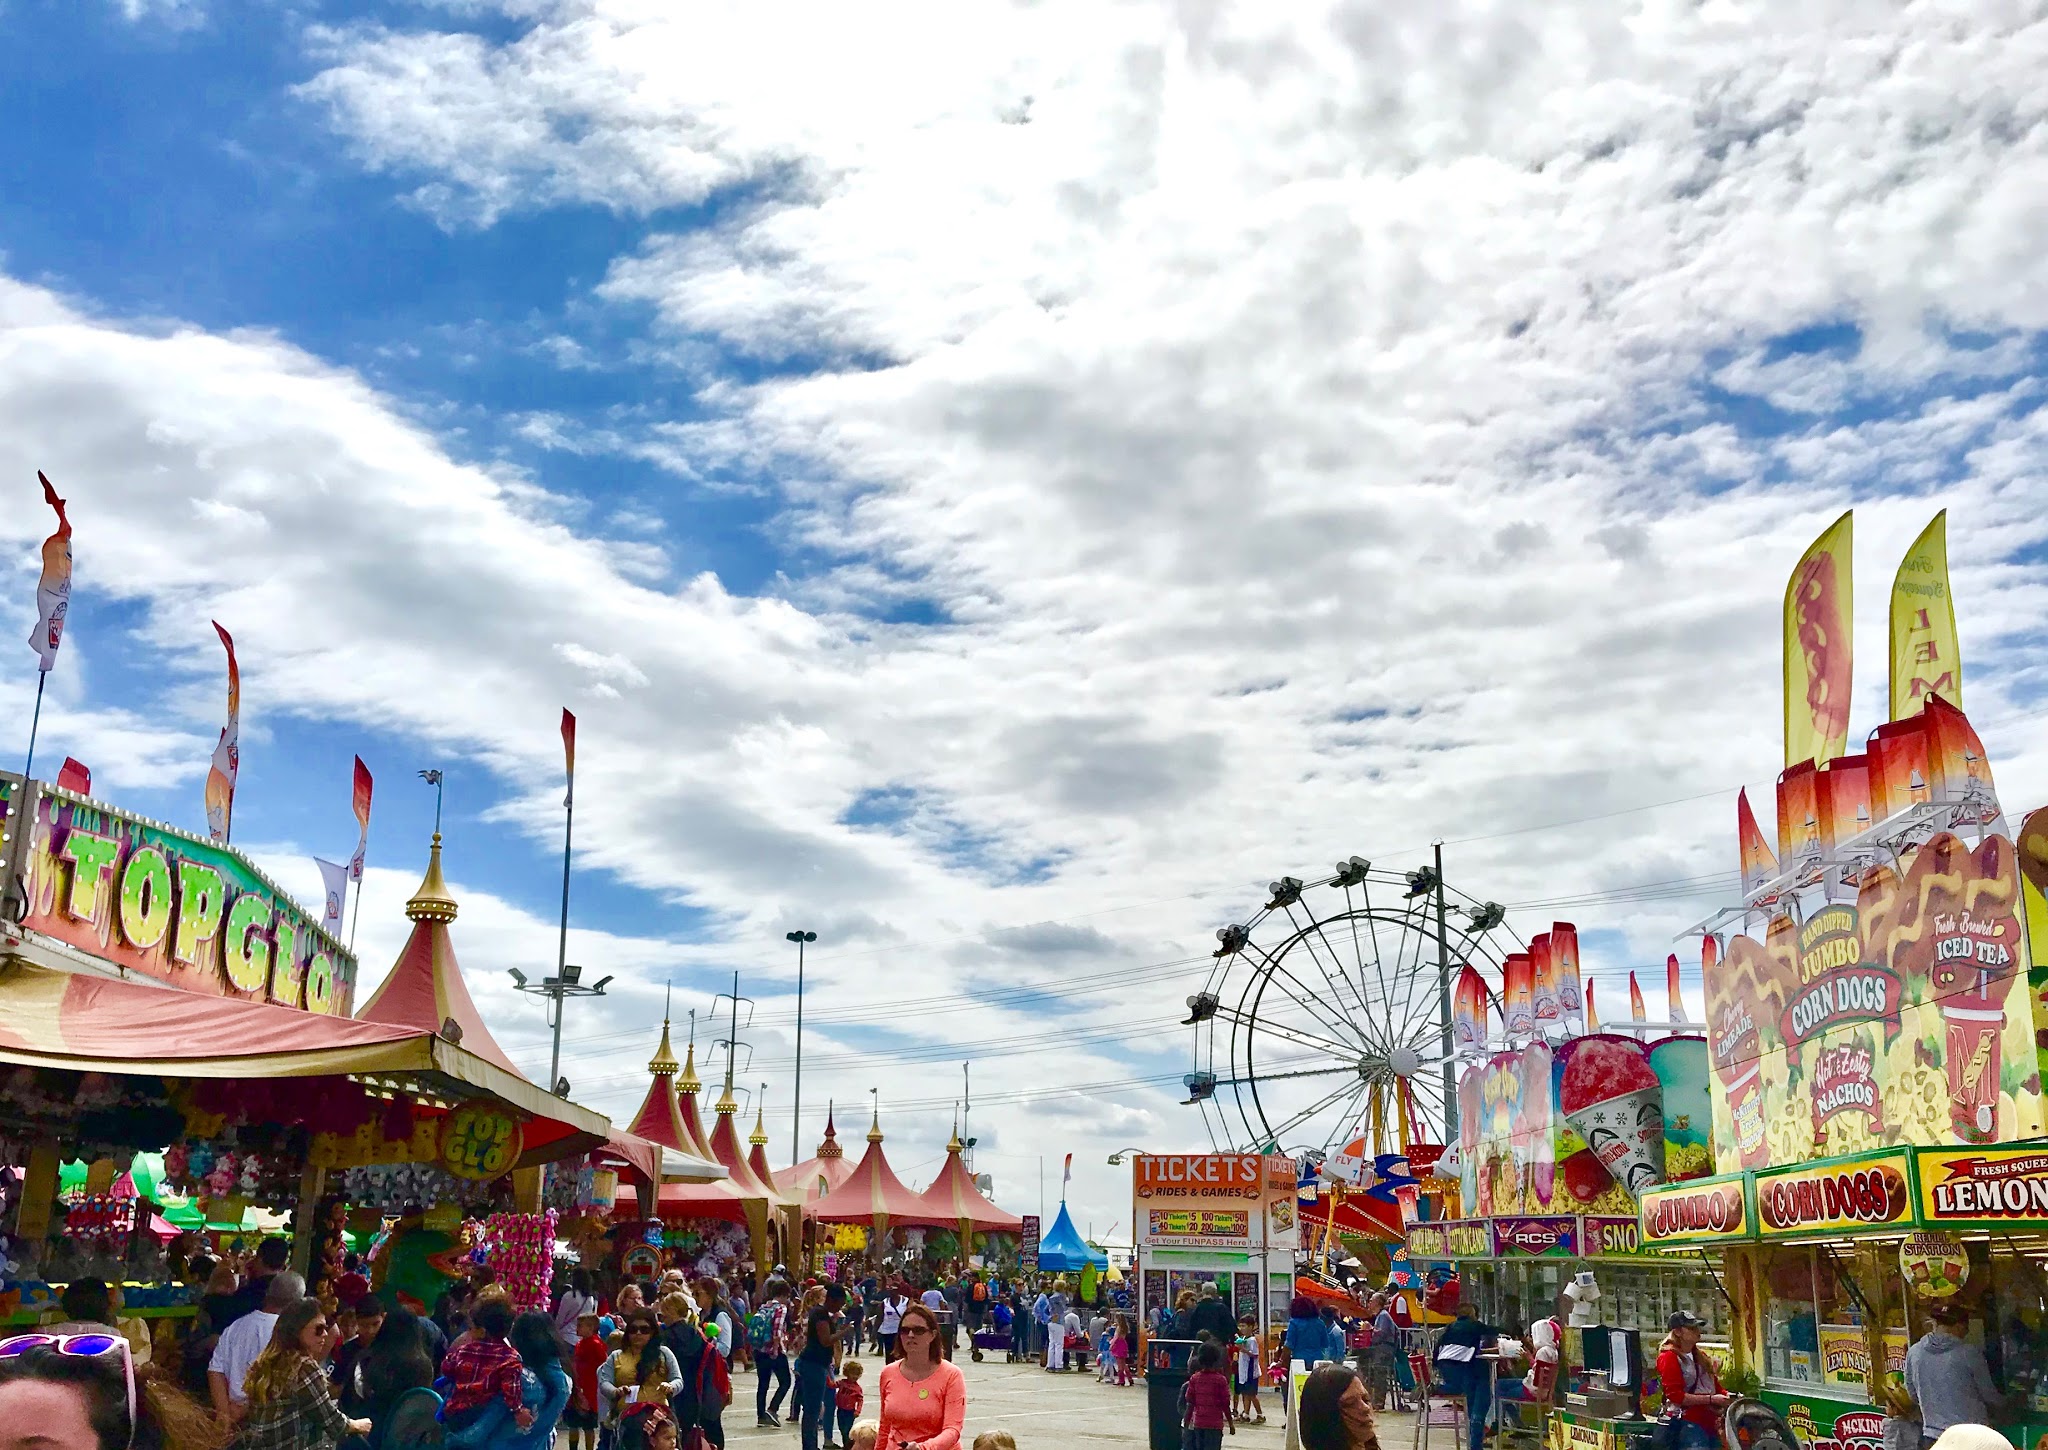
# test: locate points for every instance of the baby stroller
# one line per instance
(1753, 1425)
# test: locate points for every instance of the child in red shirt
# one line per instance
(1205, 1401)
(581, 1417)
(847, 1395)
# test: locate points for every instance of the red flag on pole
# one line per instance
(569, 754)
(53, 590)
(362, 808)
(227, 755)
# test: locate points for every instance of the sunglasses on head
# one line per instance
(78, 1346)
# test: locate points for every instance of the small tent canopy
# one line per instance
(1061, 1250)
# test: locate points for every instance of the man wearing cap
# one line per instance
(1692, 1386)
(1947, 1377)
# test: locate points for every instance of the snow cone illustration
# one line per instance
(1612, 1096)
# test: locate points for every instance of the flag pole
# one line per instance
(355, 915)
(34, 724)
(562, 946)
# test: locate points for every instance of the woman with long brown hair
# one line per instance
(1336, 1411)
(923, 1397)
(291, 1403)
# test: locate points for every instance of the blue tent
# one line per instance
(1061, 1250)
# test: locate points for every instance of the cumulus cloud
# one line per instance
(1312, 430)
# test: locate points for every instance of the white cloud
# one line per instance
(1299, 420)
(177, 14)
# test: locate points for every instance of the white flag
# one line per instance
(335, 878)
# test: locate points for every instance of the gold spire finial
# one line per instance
(726, 1103)
(432, 901)
(830, 1147)
(760, 1134)
(689, 1081)
(664, 1063)
(875, 1128)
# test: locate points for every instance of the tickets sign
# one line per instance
(1199, 1175)
(1867, 1191)
(1199, 1225)
(1704, 1211)
(1215, 1200)
(1984, 1188)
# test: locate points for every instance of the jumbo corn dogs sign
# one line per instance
(1875, 989)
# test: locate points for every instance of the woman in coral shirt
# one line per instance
(924, 1399)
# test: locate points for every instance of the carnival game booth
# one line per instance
(160, 994)
(1874, 1015)
(1229, 1219)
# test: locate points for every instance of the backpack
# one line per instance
(981, 1293)
(714, 1384)
(760, 1330)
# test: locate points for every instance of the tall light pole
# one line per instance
(567, 982)
(796, 1126)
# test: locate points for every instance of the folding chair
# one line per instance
(1531, 1414)
(1434, 1406)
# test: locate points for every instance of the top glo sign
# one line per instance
(181, 910)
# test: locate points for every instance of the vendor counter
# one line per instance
(1572, 1429)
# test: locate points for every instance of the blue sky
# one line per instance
(1000, 492)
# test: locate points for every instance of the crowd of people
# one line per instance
(622, 1364)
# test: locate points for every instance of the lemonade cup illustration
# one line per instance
(1976, 1027)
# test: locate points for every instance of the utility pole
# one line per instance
(1443, 983)
(796, 1115)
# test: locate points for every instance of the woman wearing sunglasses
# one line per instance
(924, 1398)
(74, 1388)
(642, 1376)
(291, 1403)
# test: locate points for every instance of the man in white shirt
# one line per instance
(242, 1342)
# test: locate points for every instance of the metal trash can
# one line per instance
(1166, 1370)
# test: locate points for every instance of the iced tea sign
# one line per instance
(181, 910)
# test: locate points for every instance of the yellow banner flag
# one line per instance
(1818, 611)
(1925, 657)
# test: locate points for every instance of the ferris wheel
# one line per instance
(1323, 1019)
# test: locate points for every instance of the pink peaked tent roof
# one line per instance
(873, 1192)
(954, 1196)
(830, 1165)
(425, 988)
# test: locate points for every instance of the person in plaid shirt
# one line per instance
(482, 1368)
(291, 1404)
